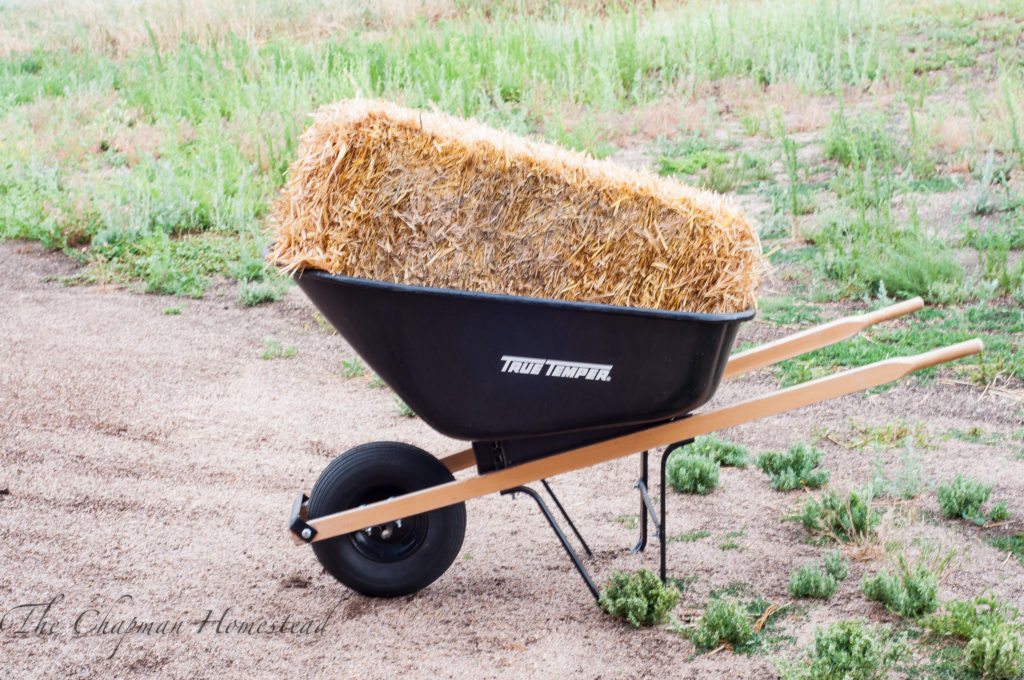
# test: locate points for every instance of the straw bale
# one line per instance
(405, 196)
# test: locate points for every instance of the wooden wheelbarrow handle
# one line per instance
(814, 338)
(787, 399)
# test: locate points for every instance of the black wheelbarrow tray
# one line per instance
(540, 387)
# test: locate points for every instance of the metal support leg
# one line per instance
(561, 536)
(558, 504)
(663, 530)
(646, 506)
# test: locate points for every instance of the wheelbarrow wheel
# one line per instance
(396, 558)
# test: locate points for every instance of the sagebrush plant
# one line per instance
(846, 650)
(997, 653)
(843, 518)
(811, 581)
(991, 629)
(725, 620)
(795, 468)
(722, 451)
(963, 497)
(639, 598)
(691, 472)
(968, 619)
(911, 591)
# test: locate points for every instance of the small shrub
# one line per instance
(795, 468)
(962, 497)
(910, 481)
(810, 581)
(723, 452)
(850, 650)
(969, 619)
(837, 566)
(1000, 513)
(691, 472)
(725, 620)
(252, 294)
(639, 598)
(997, 653)
(844, 519)
(909, 592)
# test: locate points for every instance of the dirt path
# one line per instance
(156, 456)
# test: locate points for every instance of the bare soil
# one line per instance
(156, 456)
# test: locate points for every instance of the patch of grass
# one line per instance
(862, 435)
(1012, 544)
(730, 542)
(797, 468)
(785, 311)
(691, 472)
(639, 598)
(173, 310)
(630, 521)
(851, 650)
(843, 518)
(690, 536)
(251, 294)
(975, 435)
(722, 451)
(352, 368)
(377, 383)
(273, 349)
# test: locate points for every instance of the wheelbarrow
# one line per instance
(539, 387)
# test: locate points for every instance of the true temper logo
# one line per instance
(556, 369)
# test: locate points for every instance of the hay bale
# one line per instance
(393, 194)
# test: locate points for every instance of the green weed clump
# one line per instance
(252, 294)
(851, 650)
(996, 654)
(969, 619)
(794, 469)
(725, 621)
(963, 497)
(273, 349)
(911, 592)
(722, 451)
(691, 472)
(639, 598)
(842, 518)
(811, 581)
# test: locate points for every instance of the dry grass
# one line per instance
(118, 27)
(393, 194)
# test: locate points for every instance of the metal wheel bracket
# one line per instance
(300, 530)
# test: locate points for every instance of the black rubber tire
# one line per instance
(414, 555)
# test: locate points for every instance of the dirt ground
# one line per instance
(156, 457)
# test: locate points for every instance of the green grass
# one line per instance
(690, 536)
(273, 349)
(1010, 544)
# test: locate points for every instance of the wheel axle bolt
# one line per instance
(307, 534)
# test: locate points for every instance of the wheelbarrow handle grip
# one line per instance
(814, 338)
(944, 354)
